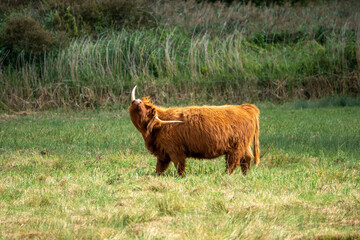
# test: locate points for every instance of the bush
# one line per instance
(73, 17)
(85, 17)
(6, 6)
(123, 12)
(263, 2)
(25, 34)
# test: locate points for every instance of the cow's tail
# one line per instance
(256, 150)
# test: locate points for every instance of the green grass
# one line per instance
(84, 175)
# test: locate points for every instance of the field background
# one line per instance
(73, 166)
(87, 175)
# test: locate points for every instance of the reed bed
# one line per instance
(92, 73)
(234, 54)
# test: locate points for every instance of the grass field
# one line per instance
(87, 175)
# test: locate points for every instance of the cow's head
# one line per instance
(144, 115)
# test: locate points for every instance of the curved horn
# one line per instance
(167, 122)
(133, 94)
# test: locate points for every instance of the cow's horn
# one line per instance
(133, 94)
(167, 122)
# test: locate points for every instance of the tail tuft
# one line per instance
(256, 150)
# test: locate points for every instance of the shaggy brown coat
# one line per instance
(204, 132)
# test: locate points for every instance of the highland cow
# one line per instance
(173, 134)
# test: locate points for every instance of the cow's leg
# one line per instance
(233, 160)
(179, 162)
(245, 162)
(162, 165)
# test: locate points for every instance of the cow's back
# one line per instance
(208, 131)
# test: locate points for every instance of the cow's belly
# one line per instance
(207, 149)
(207, 155)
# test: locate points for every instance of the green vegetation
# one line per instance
(82, 175)
(87, 175)
(80, 54)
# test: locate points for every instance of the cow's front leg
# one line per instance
(162, 165)
(179, 162)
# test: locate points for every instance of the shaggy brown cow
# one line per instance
(173, 134)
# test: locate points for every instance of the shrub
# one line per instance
(6, 6)
(74, 17)
(12, 5)
(79, 17)
(25, 34)
(131, 13)
(263, 2)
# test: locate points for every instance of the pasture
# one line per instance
(87, 175)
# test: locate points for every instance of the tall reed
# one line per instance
(169, 65)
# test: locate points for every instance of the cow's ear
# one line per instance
(147, 102)
(151, 112)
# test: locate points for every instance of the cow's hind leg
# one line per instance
(162, 165)
(245, 162)
(179, 162)
(233, 160)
